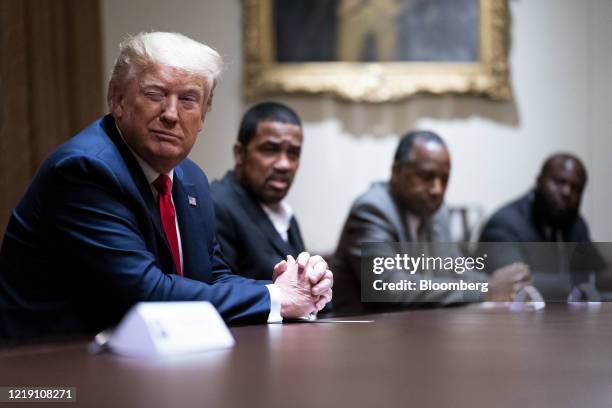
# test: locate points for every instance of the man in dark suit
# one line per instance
(548, 213)
(410, 208)
(256, 228)
(118, 215)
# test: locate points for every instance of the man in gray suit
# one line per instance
(410, 208)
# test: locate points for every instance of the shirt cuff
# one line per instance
(275, 304)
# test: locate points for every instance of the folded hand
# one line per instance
(305, 283)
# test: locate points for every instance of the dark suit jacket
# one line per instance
(250, 243)
(518, 225)
(86, 242)
(517, 222)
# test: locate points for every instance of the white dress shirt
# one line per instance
(281, 218)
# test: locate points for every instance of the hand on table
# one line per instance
(305, 284)
(507, 281)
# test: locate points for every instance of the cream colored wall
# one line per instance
(562, 74)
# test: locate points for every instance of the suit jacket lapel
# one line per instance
(141, 183)
(191, 241)
(295, 237)
(261, 219)
(392, 210)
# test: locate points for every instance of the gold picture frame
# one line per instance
(376, 82)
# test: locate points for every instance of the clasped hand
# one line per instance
(305, 284)
(507, 281)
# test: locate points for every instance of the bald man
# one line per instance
(410, 208)
(549, 212)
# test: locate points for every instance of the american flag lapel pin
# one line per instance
(192, 201)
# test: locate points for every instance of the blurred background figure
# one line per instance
(410, 208)
(550, 212)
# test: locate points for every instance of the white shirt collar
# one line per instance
(281, 218)
(150, 173)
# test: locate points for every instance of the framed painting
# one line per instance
(376, 50)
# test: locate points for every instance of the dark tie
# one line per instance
(163, 185)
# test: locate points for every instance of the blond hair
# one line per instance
(169, 49)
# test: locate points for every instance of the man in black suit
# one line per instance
(255, 226)
(548, 213)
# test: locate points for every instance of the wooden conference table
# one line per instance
(459, 357)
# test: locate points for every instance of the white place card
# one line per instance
(528, 298)
(169, 328)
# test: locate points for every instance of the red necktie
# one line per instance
(163, 185)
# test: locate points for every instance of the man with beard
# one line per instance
(410, 209)
(255, 226)
(548, 213)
